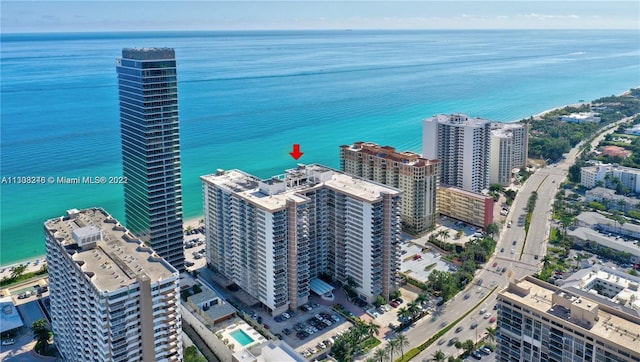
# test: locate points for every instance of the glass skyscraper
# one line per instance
(148, 90)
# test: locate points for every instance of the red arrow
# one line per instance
(296, 154)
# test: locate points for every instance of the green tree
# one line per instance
(403, 342)
(468, 346)
(391, 348)
(438, 356)
(414, 310)
(492, 229)
(42, 334)
(491, 334)
(380, 354)
(395, 294)
(403, 313)
(18, 271)
(191, 354)
(196, 289)
(372, 329)
(422, 298)
(379, 301)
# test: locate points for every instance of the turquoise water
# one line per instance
(242, 337)
(246, 97)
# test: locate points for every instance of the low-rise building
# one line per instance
(470, 207)
(612, 287)
(600, 222)
(538, 321)
(582, 117)
(583, 236)
(609, 175)
(611, 200)
(271, 351)
(10, 319)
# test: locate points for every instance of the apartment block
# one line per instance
(150, 132)
(274, 237)
(462, 145)
(538, 321)
(112, 297)
(509, 149)
(608, 175)
(417, 177)
(470, 207)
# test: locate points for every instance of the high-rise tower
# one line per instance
(112, 297)
(462, 145)
(148, 89)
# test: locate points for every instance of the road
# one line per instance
(526, 258)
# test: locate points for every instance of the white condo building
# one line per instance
(509, 150)
(274, 237)
(112, 297)
(608, 174)
(462, 145)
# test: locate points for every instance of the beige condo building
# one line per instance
(541, 322)
(417, 177)
(113, 298)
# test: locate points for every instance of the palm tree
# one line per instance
(41, 333)
(373, 329)
(468, 346)
(413, 310)
(422, 297)
(380, 354)
(18, 271)
(391, 348)
(370, 359)
(445, 235)
(438, 356)
(403, 342)
(491, 334)
(492, 229)
(403, 313)
(545, 261)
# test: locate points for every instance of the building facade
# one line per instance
(470, 207)
(462, 145)
(112, 297)
(418, 178)
(541, 322)
(148, 91)
(273, 237)
(609, 175)
(509, 150)
(501, 159)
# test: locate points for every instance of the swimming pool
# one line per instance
(242, 337)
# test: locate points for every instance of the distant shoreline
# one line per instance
(195, 221)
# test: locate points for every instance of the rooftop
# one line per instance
(9, 317)
(622, 291)
(464, 192)
(593, 219)
(601, 320)
(587, 234)
(148, 53)
(105, 250)
(390, 153)
(272, 194)
(459, 119)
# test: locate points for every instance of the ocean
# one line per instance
(246, 97)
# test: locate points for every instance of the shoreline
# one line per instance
(194, 222)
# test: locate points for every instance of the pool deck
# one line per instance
(226, 333)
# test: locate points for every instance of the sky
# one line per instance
(26, 16)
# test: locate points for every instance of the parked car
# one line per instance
(8, 342)
(487, 316)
